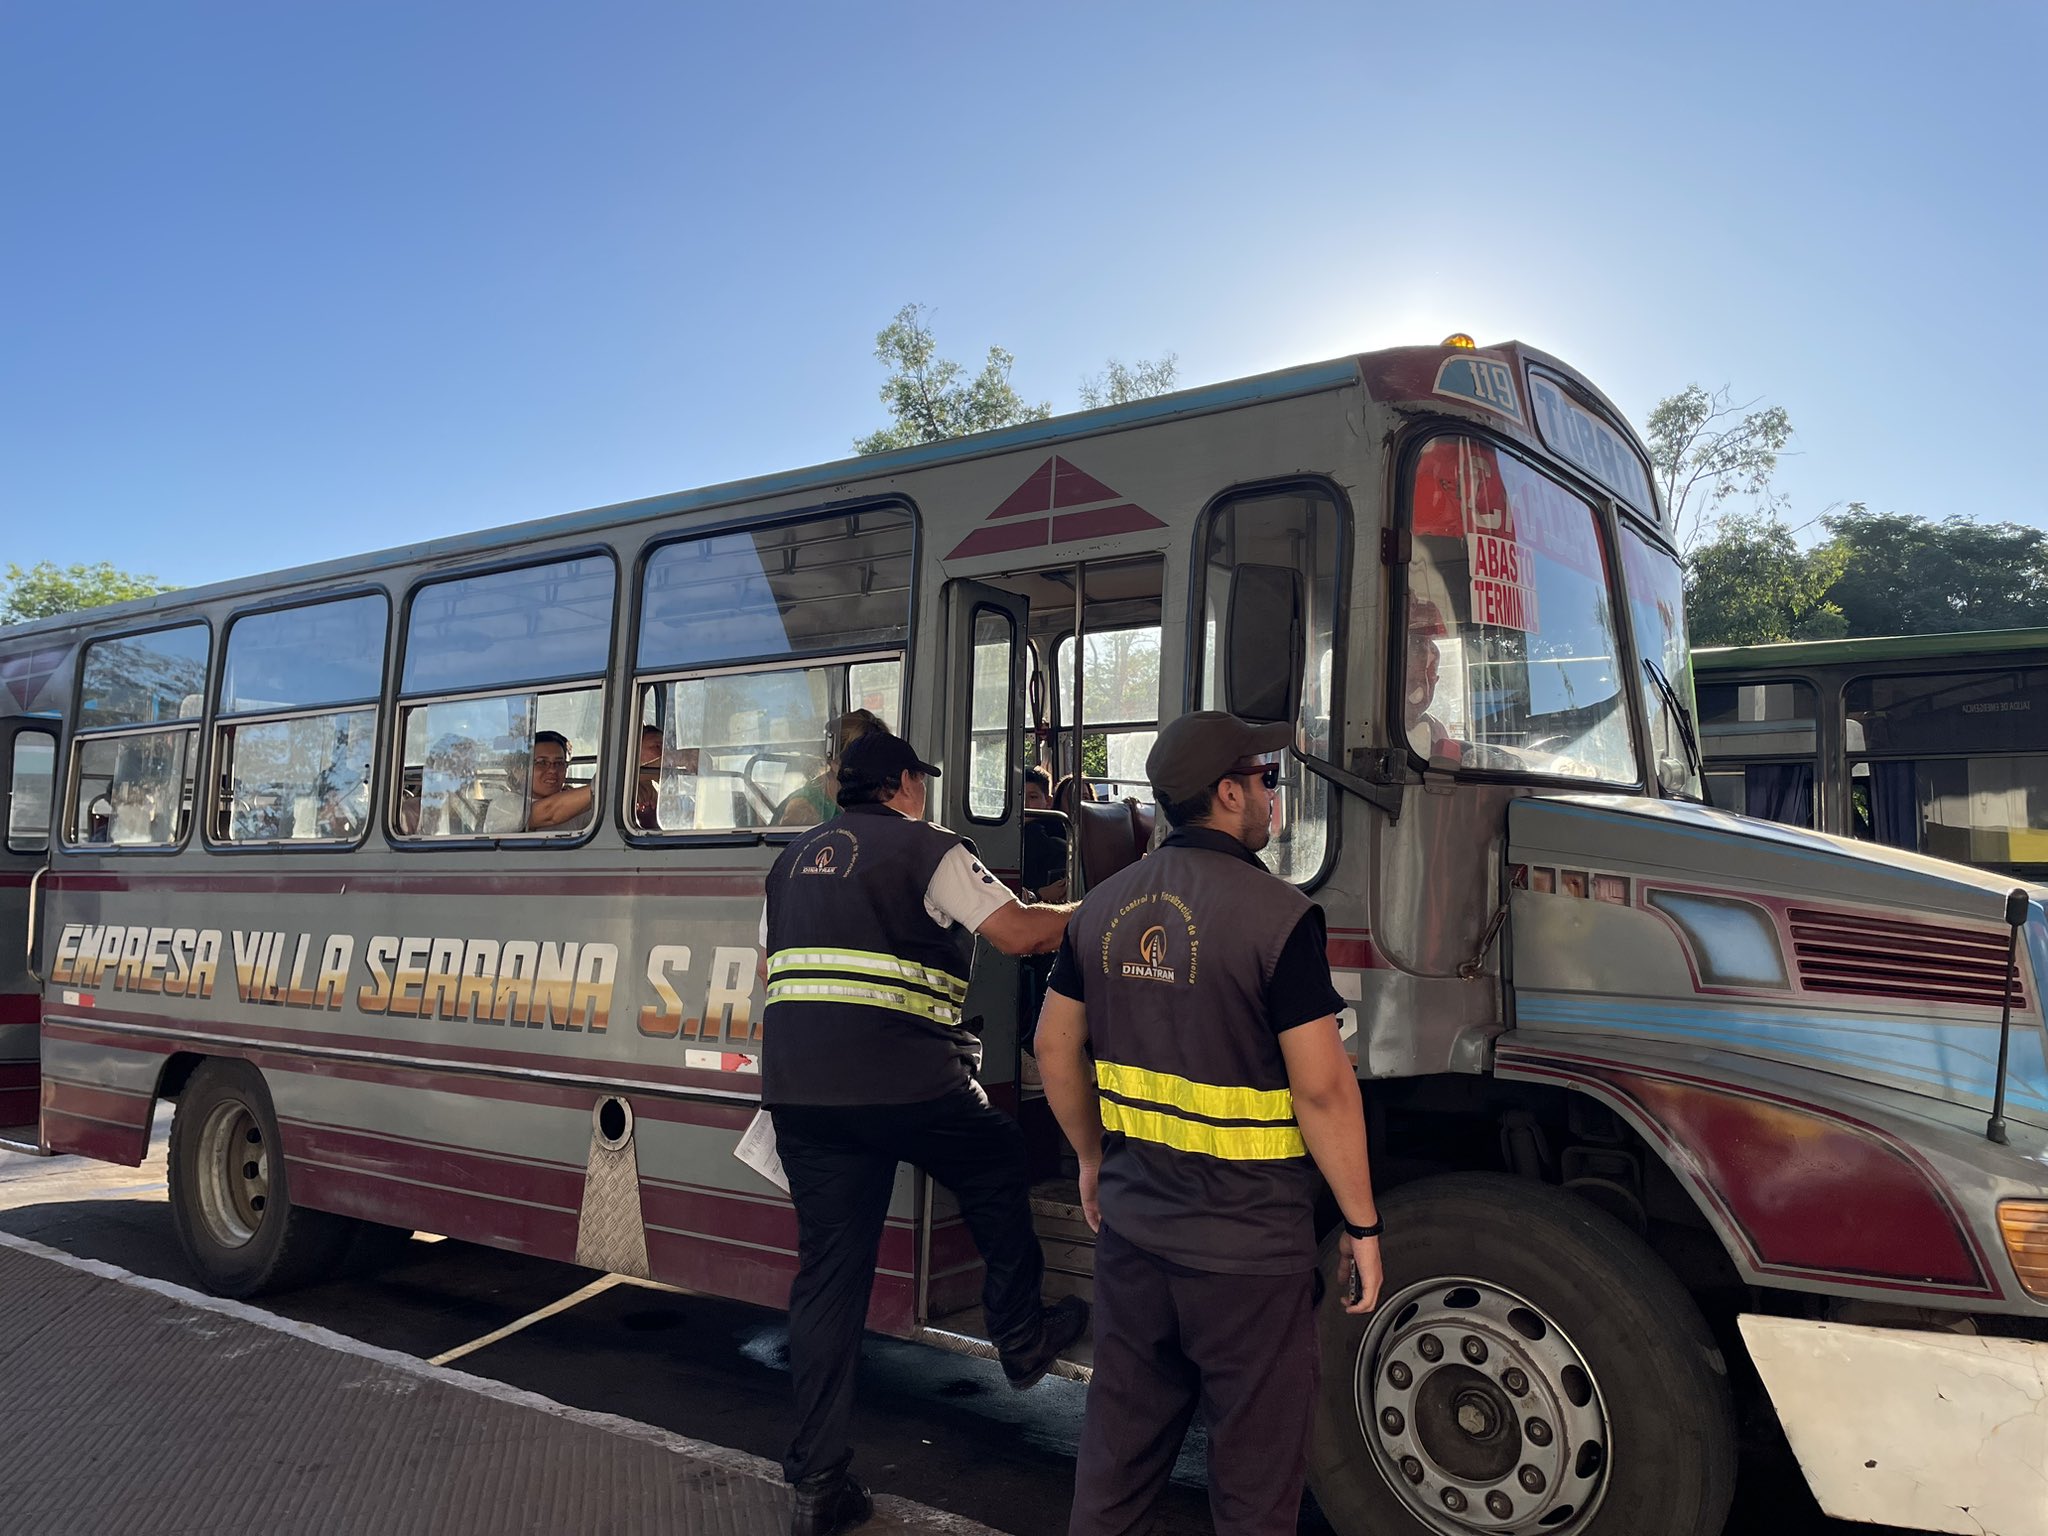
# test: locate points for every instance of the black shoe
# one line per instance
(829, 1503)
(1058, 1326)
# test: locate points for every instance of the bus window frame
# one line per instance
(1606, 509)
(395, 699)
(383, 715)
(1340, 631)
(743, 836)
(76, 739)
(51, 729)
(1013, 774)
(742, 524)
(631, 678)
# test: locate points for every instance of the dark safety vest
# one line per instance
(864, 989)
(1203, 1162)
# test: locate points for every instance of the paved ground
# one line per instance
(939, 1429)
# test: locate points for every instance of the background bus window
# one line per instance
(1952, 764)
(797, 589)
(1761, 744)
(132, 786)
(1511, 660)
(29, 777)
(484, 765)
(991, 712)
(1298, 531)
(290, 765)
(751, 749)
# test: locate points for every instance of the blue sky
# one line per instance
(286, 282)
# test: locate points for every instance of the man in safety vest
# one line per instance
(1218, 1088)
(866, 1062)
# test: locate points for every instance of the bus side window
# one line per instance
(755, 648)
(501, 705)
(137, 742)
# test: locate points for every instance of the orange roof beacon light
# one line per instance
(1459, 340)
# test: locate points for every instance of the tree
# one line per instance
(1119, 384)
(1705, 449)
(1751, 584)
(44, 589)
(1904, 575)
(930, 397)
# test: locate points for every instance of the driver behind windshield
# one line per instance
(1426, 734)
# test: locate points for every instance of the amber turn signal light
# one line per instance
(2024, 1225)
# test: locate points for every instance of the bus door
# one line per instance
(28, 759)
(981, 793)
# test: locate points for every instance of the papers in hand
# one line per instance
(757, 1150)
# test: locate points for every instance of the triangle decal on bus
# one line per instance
(1063, 505)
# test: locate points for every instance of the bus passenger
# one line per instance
(1214, 1094)
(869, 929)
(1426, 733)
(814, 801)
(557, 805)
(1045, 841)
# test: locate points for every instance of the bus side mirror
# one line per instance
(1264, 646)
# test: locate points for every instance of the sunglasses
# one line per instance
(1268, 775)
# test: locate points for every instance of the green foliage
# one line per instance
(1904, 575)
(1118, 383)
(1751, 584)
(1705, 449)
(44, 589)
(931, 397)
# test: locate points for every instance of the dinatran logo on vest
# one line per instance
(1151, 962)
(1152, 938)
(833, 854)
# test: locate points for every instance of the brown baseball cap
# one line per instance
(1196, 750)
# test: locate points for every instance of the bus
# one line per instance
(1666, 1103)
(1925, 742)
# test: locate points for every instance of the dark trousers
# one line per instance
(1243, 1347)
(841, 1161)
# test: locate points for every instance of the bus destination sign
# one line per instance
(1576, 434)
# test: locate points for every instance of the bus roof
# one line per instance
(1875, 648)
(1311, 378)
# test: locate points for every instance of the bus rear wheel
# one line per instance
(1532, 1368)
(230, 1199)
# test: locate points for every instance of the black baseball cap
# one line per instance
(1196, 750)
(875, 756)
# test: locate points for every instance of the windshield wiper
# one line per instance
(1676, 705)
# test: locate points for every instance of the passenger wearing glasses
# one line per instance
(557, 805)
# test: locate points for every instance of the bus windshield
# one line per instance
(1656, 605)
(1513, 663)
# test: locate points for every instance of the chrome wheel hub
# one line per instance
(1480, 1413)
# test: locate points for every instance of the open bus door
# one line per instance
(981, 796)
(28, 756)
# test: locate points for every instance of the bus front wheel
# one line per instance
(230, 1200)
(1532, 1367)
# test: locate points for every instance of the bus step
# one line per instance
(1068, 1243)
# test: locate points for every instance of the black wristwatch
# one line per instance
(1372, 1231)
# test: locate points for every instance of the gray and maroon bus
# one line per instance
(1670, 1107)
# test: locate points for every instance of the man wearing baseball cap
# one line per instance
(866, 1061)
(1218, 1089)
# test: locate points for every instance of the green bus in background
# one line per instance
(1936, 743)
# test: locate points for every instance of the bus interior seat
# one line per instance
(1111, 834)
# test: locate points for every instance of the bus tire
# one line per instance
(230, 1197)
(1529, 1355)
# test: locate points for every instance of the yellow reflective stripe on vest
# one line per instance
(896, 999)
(1215, 1100)
(1236, 1143)
(865, 962)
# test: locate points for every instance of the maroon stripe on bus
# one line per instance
(115, 1106)
(21, 1074)
(20, 1007)
(1353, 954)
(542, 1231)
(64, 1132)
(562, 882)
(482, 1173)
(15, 879)
(439, 1053)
